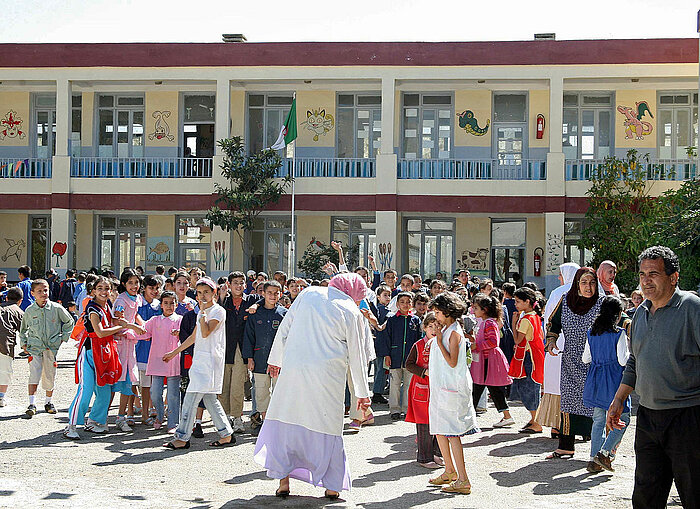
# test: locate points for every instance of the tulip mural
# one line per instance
(219, 254)
(58, 250)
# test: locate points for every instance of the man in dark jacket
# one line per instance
(67, 288)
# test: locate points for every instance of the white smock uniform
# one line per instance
(451, 410)
(207, 371)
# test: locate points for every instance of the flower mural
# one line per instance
(58, 250)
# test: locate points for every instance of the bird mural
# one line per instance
(14, 249)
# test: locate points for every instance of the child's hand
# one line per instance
(189, 306)
(336, 245)
(169, 356)
(175, 332)
(252, 309)
(137, 329)
(273, 371)
(251, 364)
(370, 317)
(118, 314)
(387, 360)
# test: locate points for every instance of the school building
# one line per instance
(431, 156)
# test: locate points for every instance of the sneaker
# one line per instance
(255, 429)
(255, 418)
(378, 399)
(122, 425)
(31, 410)
(50, 409)
(603, 460)
(2, 402)
(71, 433)
(197, 431)
(237, 425)
(395, 416)
(593, 467)
(504, 423)
(157, 424)
(95, 427)
(481, 410)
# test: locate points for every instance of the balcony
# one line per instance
(141, 167)
(32, 168)
(472, 169)
(656, 169)
(329, 167)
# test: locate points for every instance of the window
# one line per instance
(356, 230)
(677, 124)
(359, 125)
(76, 125)
(430, 246)
(270, 244)
(510, 128)
(508, 250)
(266, 114)
(427, 126)
(39, 240)
(122, 242)
(198, 125)
(587, 128)
(44, 125)
(194, 241)
(123, 115)
(572, 235)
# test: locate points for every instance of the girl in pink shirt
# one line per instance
(164, 331)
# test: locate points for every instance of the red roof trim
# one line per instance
(603, 51)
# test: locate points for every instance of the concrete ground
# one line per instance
(39, 468)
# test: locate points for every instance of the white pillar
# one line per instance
(555, 157)
(61, 239)
(554, 250)
(388, 233)
(222, 126)
(388, 112)
(63, 116)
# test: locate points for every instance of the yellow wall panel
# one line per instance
(630, 99)
(316, 118)
(85, 237)
(309, 227)
(473, 243)
(238, 113)
(15, 135)
(86, 117)
(162, 119)
(13, 240)
(161, 226)
(479, 103)
(539, 103)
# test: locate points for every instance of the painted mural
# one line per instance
(11, 126)
(162, 128)
(160, 250)
(555, 252)
(59, 250)
(635, 127)
(385, 256)
(318, 122)
(14, 249)
(219, 254)
(469, 123)
(474, 260)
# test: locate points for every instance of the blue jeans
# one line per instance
(189, 409)
(157, 383)
(601, 443)
(86, 388)
(379, 376)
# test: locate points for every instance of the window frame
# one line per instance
(691, 108)
(374, 108)
(115, 108)
(47, 249)
(266, 231)
(199, 245)
(511, 247)
(36, 109)
(585, 255)
(181, 128)
(524, 125)
(369, 247)
(289, 149)
(611, 109)
(419, 133)
(439, 255)
(97, 254)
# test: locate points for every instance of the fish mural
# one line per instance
(160, 250)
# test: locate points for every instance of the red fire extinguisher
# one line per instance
(538, 260)
(540, 126)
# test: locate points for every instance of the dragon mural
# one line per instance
(635, 127)
(470, 124)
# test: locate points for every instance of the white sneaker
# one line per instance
(237, 425)
(121, 425)
(95, 427)
(504, 423)
(71, 433)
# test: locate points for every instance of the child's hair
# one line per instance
(168, 295)
(449, 304)
(637, 292)
(428, 319)
(81, 276)
(150, 280)
(70, 304)
(15, 294)
(100, 279)
(532, 286)
(181, 274)
(160, 270)
(508, 288)
(485, 282)
(168, 280)
(381, 289)
(421, 297)
(490, 305)
(390, 271)
(70, 273)
(608, 316)
(285, 301)
(39, 282)
(404, 294)
(408, 277)
(528, 294)
(3, 273)
(263, 274)
(25, 270)
(280, 273)
(497, 294)
(293, 280)
(90, 282)
(222, 280)
(271, 284)
(171, 271)
(124, 278)
(235, 275)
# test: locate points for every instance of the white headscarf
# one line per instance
(568, 271)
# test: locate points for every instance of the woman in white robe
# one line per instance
(549, 411)
(322, 335)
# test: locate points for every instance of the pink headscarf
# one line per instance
(351, 284)
(608, 284)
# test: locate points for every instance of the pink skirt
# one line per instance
(291, 450)
(491, 368)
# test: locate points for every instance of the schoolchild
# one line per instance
(25, 284)
(420, 304)
(451, 409)
(10, 323)
(293, 288)
(45, 325)
(381, 312)
(429, 455)
(607, 353)
(147, 310)
(67, 288)
(258, 338)
(437, 286)
(207, 371)
(185, 303)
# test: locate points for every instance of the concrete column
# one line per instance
(389, 232)
(221, 250)
(61, 239)
(388, 110)
(554, 249)
(222, 126)
(64, 98)
(555, 157)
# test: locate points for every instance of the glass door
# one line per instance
(193, 256)
(45, 134)
(595, 134)
(674, 133)
(122, 243)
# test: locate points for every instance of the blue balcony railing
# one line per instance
(31, 168)
(472, 169)
(141, 167)
(656, 169)
(328, 167)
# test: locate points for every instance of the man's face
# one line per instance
(41, 294)
(272, 296)
(654, 281)
(404, 304)
(236, 286)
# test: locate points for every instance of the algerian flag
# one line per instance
(288, 133)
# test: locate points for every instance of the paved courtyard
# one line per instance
(507, 469)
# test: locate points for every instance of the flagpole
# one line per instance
(292, 246)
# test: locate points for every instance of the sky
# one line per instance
(43, 21)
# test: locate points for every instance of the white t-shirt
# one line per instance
(207, 371)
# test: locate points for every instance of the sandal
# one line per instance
(173, 447)
(560, 456)
(331, 496)
(282, 493)
(458, 486)
(217, 443)
(527, 429)
(444, 478)
(131, 421)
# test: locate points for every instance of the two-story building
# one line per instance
(431, 156)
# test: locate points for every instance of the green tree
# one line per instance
(317, 255)
(620, 221)
(252, 186)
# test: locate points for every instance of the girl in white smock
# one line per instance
(451, 409)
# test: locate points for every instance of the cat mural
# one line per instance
(318, 122)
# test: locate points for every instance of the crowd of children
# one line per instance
(175, 344)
